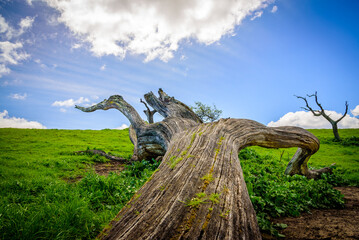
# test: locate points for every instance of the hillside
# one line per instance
(49, 192)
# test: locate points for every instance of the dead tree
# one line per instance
(321, 112)
(198, 191)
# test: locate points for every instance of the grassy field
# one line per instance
(345, 156)
(39, 198)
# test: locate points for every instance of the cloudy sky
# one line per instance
(248, 57)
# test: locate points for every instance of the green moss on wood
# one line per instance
(214, 198)
(197, 201)
(208, 177)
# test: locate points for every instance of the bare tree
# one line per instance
(198, 191)
(321, 112)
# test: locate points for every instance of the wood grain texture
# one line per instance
(198, 191)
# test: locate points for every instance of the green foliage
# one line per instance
(275, 194)
(37, 200)
(214, 197)
(197, 201)
(173, 161)
(32, 209)
(208, 177)
(206, 113)
(346, 141)
(141, 168)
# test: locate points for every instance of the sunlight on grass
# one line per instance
(40, 199)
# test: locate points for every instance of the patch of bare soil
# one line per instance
(102, 169)
(326, 224)
(106, 168)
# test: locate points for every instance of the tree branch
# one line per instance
(148, 112)
(346, 111)
(170, 107)
(117, 102)
(308, 108)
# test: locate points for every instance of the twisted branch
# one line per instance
(117, 102)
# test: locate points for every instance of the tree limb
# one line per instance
(308, 108)
(346, 111)
(117, 102)
(170, 107)
(148, 112)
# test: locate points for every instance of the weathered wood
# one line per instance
(149, 113)
(198, 191)
(104, 154)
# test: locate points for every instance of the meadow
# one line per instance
(49, 192)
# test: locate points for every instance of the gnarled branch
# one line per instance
(117, 102)
(170, 107)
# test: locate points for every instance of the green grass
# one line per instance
(345, 156)
(275, 194)
(40, 199)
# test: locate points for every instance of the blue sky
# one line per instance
(249, 59)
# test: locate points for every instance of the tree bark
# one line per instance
(335, 131)
(198, 191)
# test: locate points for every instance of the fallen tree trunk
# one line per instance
(198, 191)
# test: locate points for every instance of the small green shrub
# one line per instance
(345, 141)
(275, 194)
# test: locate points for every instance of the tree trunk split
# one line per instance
(198, 191)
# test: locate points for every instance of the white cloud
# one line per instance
(70, 102)
(123, 126)
(18, 96)
(257, 15)
(103, 67)
(153, 28)
(76, 46)
(4, 70)
(183, 57)
(25, 24)
(308, 120)
(274, 9)
(10, 55)
(10, 32)
(355, 111)
(29, 2)
(13, 122)
(10, 52)
(5, 28)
